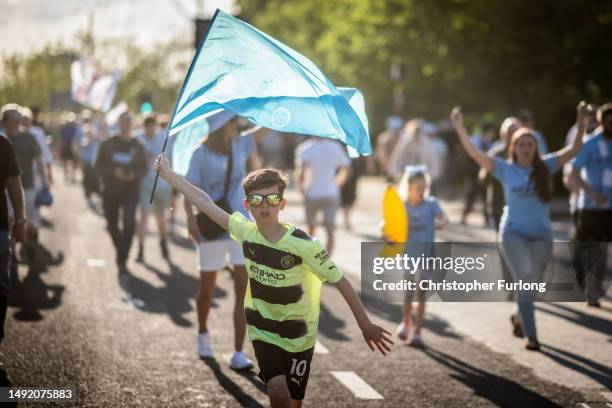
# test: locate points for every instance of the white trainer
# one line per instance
(402, 331)
(240, 361)
(204, 348)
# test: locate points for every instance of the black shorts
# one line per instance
(274, 361)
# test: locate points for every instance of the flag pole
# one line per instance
(195, 58)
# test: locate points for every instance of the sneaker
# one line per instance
(532, 344)
(517, 329)
(415, 341)
(240, 362)
(402, 331)
(204, 348)
(140, 257)
(164, 248)
(594, 303)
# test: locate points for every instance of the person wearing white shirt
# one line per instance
(322, 168)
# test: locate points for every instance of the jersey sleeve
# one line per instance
(321, 264)
(240, 226)
(500, 169)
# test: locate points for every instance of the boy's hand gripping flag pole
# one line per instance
(243, 70)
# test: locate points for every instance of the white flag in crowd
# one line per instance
(91, 88)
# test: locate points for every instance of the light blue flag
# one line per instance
(182, 144)
(243, 70)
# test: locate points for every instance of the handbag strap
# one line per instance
(228, 173)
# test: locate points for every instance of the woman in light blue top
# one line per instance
(525, 233)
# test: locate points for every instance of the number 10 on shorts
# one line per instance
(298, 367)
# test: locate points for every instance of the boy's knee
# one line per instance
(278, 392)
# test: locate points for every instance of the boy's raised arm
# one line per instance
(193, 194)
(373, 335)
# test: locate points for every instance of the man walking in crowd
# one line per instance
(386, 141)
(70, 137)
(29, 159)
(592, 173)
(9, 181)
(41, 138)
(121, 163)
(475, 189)
(153, 142)
(413, 148)
(322, 168)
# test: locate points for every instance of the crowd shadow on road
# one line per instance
(578, 317)
(230, 386)
(31, 294)
(394, 313)
(594, 370)
(173, 298)
(500, 391)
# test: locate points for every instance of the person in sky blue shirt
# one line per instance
(525, 232)
(592, 174)
(209, 169)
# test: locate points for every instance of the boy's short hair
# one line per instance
(264, 178)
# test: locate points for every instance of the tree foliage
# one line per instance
(490, 56)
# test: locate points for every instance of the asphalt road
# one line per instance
(73, 322)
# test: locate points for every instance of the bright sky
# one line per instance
(27, 25)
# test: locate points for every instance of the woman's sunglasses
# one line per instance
(257, 199)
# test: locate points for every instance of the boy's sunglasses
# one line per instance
(257, 199)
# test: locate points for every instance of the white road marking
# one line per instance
(96, 263)
(320, 348)
(356, 385)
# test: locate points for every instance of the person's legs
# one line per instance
(329, 206)
(278, 392)
(204, 298)
(311, 209)
(111, 213)
(142, 231)
(515, 250)
(470, 196)
(129, 224)
(591, 252)
(161, 202)
(5, 257)
(240, 285)
(211, 258)
(420, 312)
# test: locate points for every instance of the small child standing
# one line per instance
(424, 217)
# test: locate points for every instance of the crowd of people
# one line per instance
(116, 164)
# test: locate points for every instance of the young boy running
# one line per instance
(286, 269)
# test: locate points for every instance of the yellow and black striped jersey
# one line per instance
(285, 278)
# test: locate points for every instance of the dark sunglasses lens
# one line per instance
(255, 200)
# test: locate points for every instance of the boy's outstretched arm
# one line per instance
(193, 194)
(373, 335)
